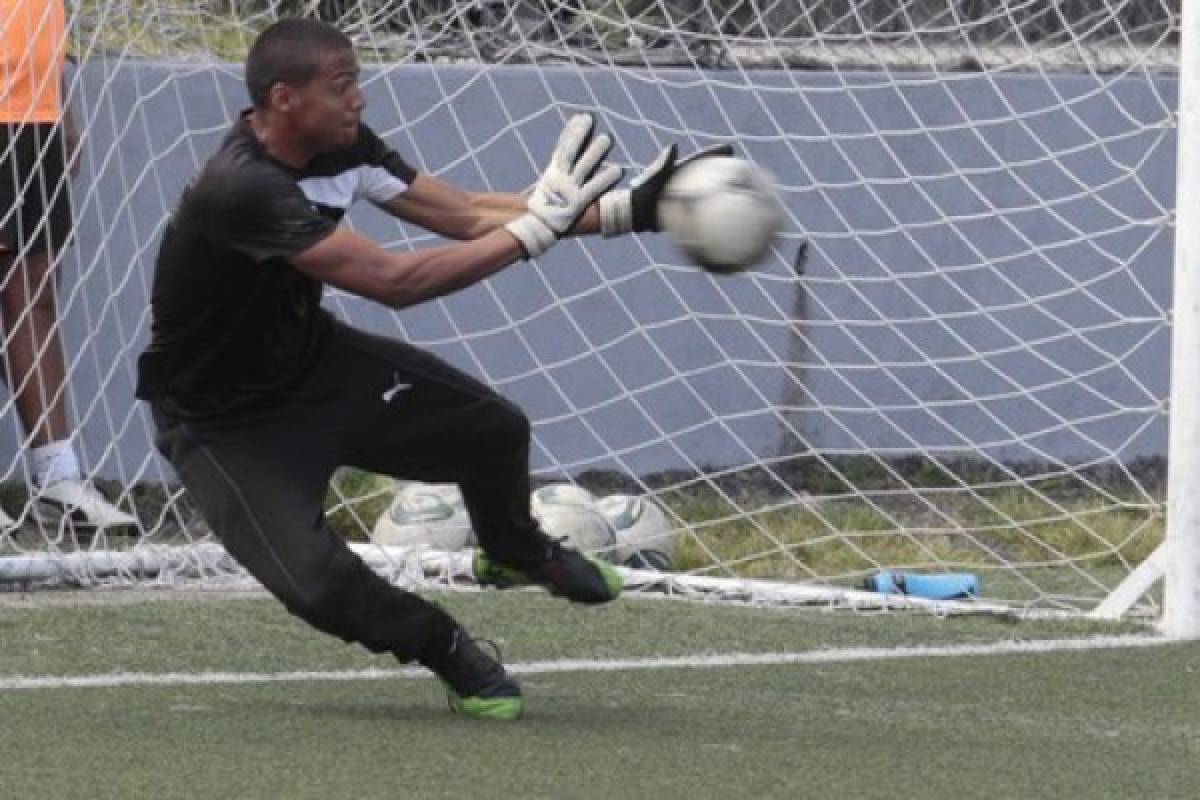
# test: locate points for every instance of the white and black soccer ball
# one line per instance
(646, 539)
(722, 212)
(561, 494)
(430, 515)
(568, 511)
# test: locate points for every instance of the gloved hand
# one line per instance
(572, 182)
(635, 209)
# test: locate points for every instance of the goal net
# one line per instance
(954, 361)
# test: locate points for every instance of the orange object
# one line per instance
(32, 50)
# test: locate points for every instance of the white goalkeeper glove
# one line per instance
(572, 182)
(635, 209)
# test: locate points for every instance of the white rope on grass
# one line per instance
(713, 661)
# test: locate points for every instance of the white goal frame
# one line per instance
(1181, 560)
(640, 51)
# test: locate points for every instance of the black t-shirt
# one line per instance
(234, 322)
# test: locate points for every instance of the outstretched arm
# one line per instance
(358, 265)
(575, 164)
(443, 208)
(570, 186)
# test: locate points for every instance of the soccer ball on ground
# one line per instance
(561, 494)
(430, 515)
(722, 212)
(646, 539)
(567, 511)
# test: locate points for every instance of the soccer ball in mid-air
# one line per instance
(567, 511)
(646, 539)
(722, 212)
(430, 515)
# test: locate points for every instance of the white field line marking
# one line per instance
(832, 656)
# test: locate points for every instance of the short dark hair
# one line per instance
(290, 52)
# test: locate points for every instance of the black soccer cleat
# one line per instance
(477, 685)
(565, 572)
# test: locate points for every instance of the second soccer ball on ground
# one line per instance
(569, 511)
(646, 537)
(428, 515)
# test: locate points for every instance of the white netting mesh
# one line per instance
(956, 358)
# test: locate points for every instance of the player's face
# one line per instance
(330, 106)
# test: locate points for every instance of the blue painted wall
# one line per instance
(956, 276)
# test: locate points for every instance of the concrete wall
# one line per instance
(616, 347)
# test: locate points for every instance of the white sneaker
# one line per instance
(80, 504)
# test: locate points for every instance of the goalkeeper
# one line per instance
(258, 394)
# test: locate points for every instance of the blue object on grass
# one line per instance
(942, 586)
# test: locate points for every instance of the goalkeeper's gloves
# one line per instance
(572, 182)
(635, 209)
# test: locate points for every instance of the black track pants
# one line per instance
(259, 479)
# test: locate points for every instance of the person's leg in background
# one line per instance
(34, 231)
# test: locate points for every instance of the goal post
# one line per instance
(956, 359)
(1181, 602)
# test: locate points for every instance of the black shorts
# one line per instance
(35, 188)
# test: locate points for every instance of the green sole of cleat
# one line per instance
(501, 708)
(613, 584)
(489, 574)
(611, 578)
(500, 577)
